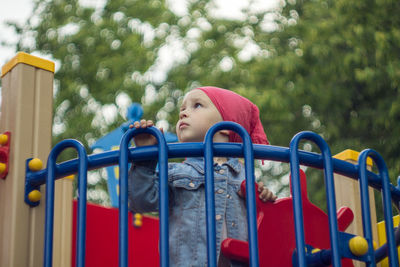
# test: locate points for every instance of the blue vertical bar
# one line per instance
(163, 191)
(250, 199)
(250, 192)
(82, 185)
(297, 201)
(82, 200)
(210, 200)
(365, 207)
(164, 199)
(386, 198)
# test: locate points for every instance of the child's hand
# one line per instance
(144, 139)
(265, 195)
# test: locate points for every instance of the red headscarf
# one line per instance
(236, 108)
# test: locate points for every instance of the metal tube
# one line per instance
(386, 198)
(247, 150)
(163, 191)
(49, 217)
(297, 201)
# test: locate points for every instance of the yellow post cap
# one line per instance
(70, 177)
(28, 59)
(358, 245)
(35, 164)
(349, 154)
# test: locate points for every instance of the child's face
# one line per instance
(196, 116)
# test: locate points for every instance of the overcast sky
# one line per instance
(16, 10)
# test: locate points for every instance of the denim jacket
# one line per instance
(187, 215)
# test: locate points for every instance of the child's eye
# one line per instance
(197, 105)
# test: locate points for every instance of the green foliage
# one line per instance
(332, 67)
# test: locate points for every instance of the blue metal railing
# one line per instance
(250, 192)
(247, 150)
(82, 185)
(297, 201)
(123, 198)
(387, 203)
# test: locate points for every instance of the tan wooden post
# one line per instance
(26, 112)
(63, 222)
(347, 192)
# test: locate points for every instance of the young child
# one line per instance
(201, 108)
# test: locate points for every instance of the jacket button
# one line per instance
(218, 217)
(221, 171)
(191, 184)
(220, 191)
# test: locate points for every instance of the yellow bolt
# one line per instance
(138, 216)
(138, 223)
(34, 195)
(138, 219)
(3, 167)
(35, 164)
(358, 246)
(3, 139)
(315, 250)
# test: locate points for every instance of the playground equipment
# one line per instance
(280, 230)
(306, 253)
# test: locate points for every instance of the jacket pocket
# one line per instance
(188, 193)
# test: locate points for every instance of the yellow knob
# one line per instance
(138, 223)
(3, 139)
(34, 195)
(358, 246)
(138, 216)
(315, 250)
(35, 164)
(3, 167)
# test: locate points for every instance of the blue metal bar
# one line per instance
(297, 201)
(163, 191)
(250, 191)
(180, 150)
(210, 208)
(82, 185)
(365, 208)
(386, 198)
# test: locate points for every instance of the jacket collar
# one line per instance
(198, 164)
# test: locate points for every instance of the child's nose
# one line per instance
(183, 114)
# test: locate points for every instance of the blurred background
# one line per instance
(332, 67)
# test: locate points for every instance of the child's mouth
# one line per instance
(183, 125)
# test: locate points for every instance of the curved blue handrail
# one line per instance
(297, 201)
(181, 150)
(208, 149)
(82, 185)
(250, 190)
(163, 193)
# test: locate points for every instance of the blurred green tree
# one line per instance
(332, 67)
